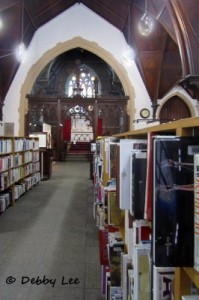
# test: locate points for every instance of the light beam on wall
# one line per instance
(128, 56)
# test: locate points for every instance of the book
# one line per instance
(173, 201)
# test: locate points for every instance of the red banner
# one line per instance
(67, 130)
(99, 127)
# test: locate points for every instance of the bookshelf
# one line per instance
(183, 279)
(19, 168)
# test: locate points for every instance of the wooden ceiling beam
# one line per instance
(159, 68)
(183, 34)
(49, 7)
(30, 17)
(8, 4)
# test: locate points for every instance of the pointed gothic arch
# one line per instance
(63, 47)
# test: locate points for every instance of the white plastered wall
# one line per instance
(76, 27)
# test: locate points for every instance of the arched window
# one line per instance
(85, 79)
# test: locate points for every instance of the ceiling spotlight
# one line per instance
(146, 23)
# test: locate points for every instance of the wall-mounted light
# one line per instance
(21, 53)
(146, 23)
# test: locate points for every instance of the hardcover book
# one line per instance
(163, 283)
(173, 201)
(196, 212)
(141, 264)
(138, 184)
(126, 148)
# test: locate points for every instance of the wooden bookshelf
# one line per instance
(184, 277)
(19, 167)
(184, 127)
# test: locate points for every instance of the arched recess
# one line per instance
(63, 47)
(74, 119)
(174, 108)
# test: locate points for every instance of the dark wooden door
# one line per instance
(174, 109)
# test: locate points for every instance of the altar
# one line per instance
(81, 130)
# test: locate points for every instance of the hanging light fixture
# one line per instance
(146, 23)
(21, 49)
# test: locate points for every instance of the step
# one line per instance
(76, 157)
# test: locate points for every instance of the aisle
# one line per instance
(49, 237)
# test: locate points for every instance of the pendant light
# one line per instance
(146, 23)
(21, 49)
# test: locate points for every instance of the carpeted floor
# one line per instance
(49, 241)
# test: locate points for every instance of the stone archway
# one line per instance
(63, 47)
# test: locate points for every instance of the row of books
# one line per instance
(13, 175)
(111, 248)
(22, 187)
(23, 144)
(107, 212)
(6, 180)
(11, 161)
(21, 172)
(36, 167)
(19, 189)
(128, 271)
(18, 159)
(24, 171)
(31, 156)
(6, 162)
(6, 146)
(26, 157)
(32, 180)
(35, 156)
(5, 200)
(114, 292)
